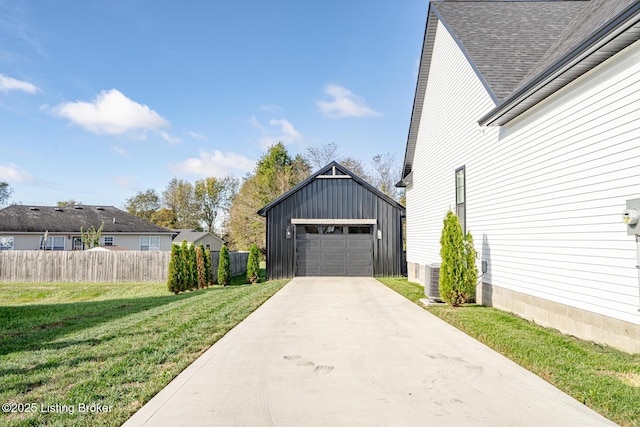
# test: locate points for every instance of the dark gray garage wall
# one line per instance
(334, 198)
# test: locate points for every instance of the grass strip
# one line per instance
(603, 378)
(115, 345)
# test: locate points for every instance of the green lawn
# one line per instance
(114, 345)
(605, 379)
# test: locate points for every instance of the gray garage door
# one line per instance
(334, 250)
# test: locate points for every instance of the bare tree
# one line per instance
(179, 197)
(213, 197)
(5, 192)
(321, 156)
(356, 166)
(386, 174)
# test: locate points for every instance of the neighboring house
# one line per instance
(209, 240)
(334, 223)
(23, 227)
(526, 122)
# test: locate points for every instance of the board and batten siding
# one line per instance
(334, 198)
(545, 192)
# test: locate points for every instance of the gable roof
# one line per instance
(600, 31)
(193, 235)
(331, 167)
(505, 39)
(69, 219)
(502, 40)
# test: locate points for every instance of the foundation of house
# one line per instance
(569, 320)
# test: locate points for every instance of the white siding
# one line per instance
(545, 192)
(32, 241)
(448, 123)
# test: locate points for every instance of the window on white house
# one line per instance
(149, 243)
(108, 241)
(6, 243)
(54, 243)
(461, 196)
(77, 244)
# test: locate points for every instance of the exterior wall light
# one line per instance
(288, 232)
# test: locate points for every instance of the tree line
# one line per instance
(228, 206)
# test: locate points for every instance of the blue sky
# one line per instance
(99, 100)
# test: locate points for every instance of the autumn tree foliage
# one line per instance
(276, 172)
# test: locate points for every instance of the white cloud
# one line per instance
(9, 83)
(197, 136)
(112, 113)
(271, 108)
(120, 151)
(124, 181)
(287, 133)
(13, 173)
(254, 122)
(344, 104)
(214, 163)
(169, 138)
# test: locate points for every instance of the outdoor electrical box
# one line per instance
(631, 216)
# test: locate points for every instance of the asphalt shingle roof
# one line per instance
(506, 39)
(69, 219)
(192, 235)
(589, 20)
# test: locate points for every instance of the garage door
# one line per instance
(334, 250)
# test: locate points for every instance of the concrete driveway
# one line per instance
(351, 352)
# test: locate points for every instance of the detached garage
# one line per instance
(334, 224)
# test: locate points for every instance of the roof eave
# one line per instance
(566, 69)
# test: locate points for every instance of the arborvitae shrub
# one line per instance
(253, 265)
(458, 271)
(193, 267)
(186, 266)
(174, 281)
(200, 264)
(224, 267)
(472, 267)
(207, 267)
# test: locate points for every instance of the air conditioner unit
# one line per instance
(431, 287)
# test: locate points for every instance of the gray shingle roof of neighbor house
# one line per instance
(601, 30)
(69, 219)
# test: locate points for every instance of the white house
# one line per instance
(526, 122)
(24, 227)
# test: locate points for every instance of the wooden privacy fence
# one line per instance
(97, 266)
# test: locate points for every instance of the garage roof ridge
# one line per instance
(322, 171)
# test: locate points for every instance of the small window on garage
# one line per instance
(308, 229)
(360, 229)
(333, 229)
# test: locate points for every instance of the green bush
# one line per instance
(253, 265)
(224, 267)
(174, 281)
(458, 271)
